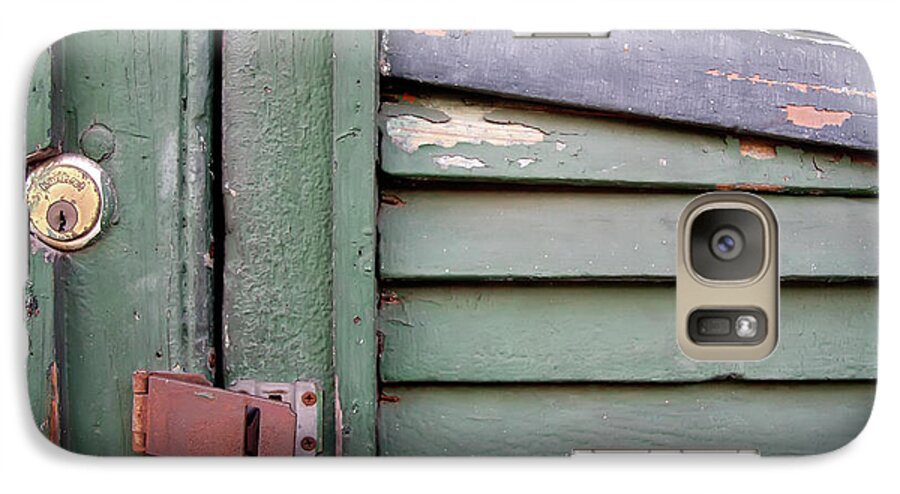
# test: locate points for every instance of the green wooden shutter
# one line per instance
(527, 260)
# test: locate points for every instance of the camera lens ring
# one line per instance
(726, 243)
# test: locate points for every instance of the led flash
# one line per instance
(745, 326)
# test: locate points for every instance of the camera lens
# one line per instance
(726, 244)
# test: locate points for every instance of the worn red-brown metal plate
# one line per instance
(189, 419)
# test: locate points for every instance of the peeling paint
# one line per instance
(32, 308)
(523, 162)
(751, 187)
(560, 145)
(53, 426)
(803, 87)
(757, 149)
(814, 118)
(470, 124)
(445, 162)
(431, 32)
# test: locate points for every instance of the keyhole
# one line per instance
(61, 225)
(62, 216)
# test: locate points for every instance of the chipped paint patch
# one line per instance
(53, 425)
(560, 145)
(456, 161)
(523, 162)
(757, 149)
(431, 32)
(803, 87)
(751, 187)
(469, 124)
(814, 118)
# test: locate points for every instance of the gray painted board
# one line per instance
(801, 86)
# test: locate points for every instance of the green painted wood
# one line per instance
(446, 136)
(774, 418)
(623, 333)
(355, 202)
(131, 300)
(39, 307)
(525, 234)
(194, 340)
(277, 165)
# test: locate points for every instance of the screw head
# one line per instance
(308, 443)
(308, 398)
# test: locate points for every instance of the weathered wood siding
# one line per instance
(440, 136)
(805, 86)
(527, 245)
(543, 420)
(537, 234)
(618, 332)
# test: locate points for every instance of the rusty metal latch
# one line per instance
(180, 414)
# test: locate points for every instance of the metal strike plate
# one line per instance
(70, 201)
(303, 396)
(180, 414)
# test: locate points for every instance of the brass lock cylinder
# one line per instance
(70, 201)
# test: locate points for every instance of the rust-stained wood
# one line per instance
(433, 135)
(793, 85)
(611, 332)
(576, 234)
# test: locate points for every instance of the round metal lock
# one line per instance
(70, 201)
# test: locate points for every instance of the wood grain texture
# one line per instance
(131, 300)
(773, 418)
(355, 202)
(277, 165)
(621, 333)
(430, 135)
(39, 303)
(526, 234)
(797, 86)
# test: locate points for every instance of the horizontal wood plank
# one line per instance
(623, 333)
(773, 418)
(486, 234)
(443, 136)
(797, 86)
